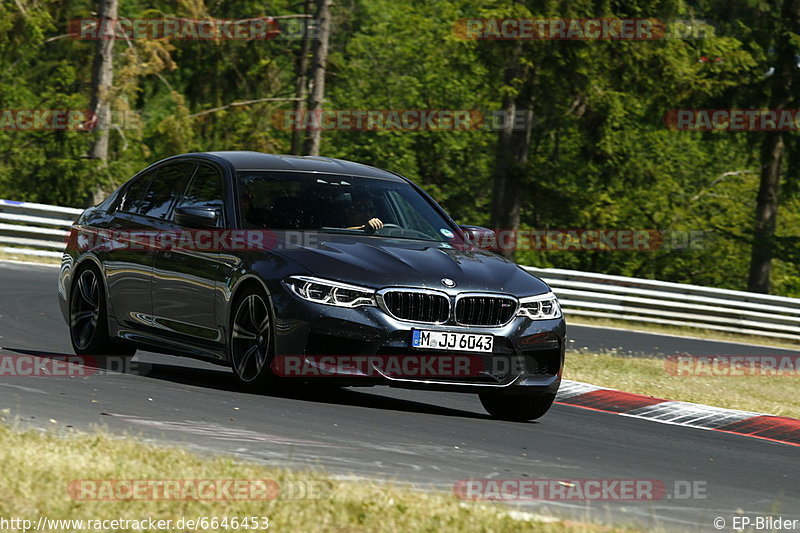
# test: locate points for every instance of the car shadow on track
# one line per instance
(221, 378)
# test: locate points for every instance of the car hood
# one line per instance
(378, 262)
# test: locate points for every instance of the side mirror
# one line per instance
(479, 237)
(198, 217)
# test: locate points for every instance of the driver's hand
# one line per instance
(374, 223)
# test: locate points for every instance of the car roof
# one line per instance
(247, 160)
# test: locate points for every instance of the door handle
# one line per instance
(162, 246)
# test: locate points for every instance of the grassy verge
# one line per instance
(775, 395)
(684, 331)
(37, 467)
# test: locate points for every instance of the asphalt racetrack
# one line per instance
(428, 439)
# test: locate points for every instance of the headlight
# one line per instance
(323, 291)
(541, 307)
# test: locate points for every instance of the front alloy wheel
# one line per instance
(251, 341)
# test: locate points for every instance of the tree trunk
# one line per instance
(320, 61)
(301, 81)
(512, 156)
(100, 105)
(772, 151)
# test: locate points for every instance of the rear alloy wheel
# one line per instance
(251, 341)
(88, 319)
(517, 407)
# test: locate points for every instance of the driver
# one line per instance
(359, 215)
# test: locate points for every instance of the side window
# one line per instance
(164, 188)
(132, 197)
(205, 190)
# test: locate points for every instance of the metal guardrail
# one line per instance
(35, 229)
(39, 229)
(673, 304)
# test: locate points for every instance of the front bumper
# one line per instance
(527, 357)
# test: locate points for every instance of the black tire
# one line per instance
(517, 407)
(88, 317)
(251, 341)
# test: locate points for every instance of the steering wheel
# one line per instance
(368, 229)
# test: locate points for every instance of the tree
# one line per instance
(594, 154)
(318, 68)
(781, 91)
(301, 80)
(102, 79)
(513, 145)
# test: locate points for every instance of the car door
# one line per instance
(185, 277)
(128, 268)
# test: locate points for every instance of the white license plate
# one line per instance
(446, 340)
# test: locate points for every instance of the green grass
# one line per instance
(37, 467)
(775, 395)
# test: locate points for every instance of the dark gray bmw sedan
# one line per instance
(301, 270)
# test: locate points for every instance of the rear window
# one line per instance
(131, 199)
(169, 181)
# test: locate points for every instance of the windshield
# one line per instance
(338, 204)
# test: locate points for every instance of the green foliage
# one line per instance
(600, 154)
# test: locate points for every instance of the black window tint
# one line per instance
(337, 204)
(411, 216)
(132, 197)
(205, 190)
(166, 185)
